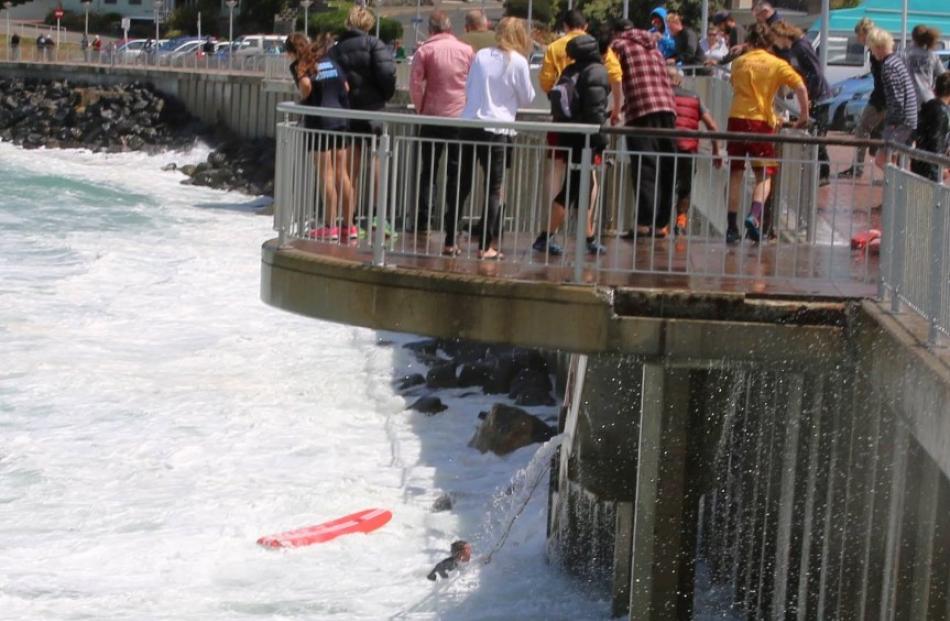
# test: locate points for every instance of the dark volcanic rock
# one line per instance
(507, 429)
(429, 405)
(408, 381)
(126, 117)
(529, 380)
(442, 376)
(474, 374)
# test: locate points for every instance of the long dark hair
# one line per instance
(314, 53)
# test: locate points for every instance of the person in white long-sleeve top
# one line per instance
(498, 84)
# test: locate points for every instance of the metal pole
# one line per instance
(626, 9)
(378, 19)
(9, 47)
(86, 29)
(199, 24)
(306, 16)
(415, 25)
(823, 40)
(530, 14)
(904, 24)
(231, 36)
(705, 20)
(583, 205)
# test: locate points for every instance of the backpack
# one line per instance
(565, 98)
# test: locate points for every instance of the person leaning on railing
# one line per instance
(648, 103)
(757, 76)
(873, 114)
(371, 74)
(321, 83)
(437, 87)
(803, 58)
(580, 96)
(498, 84)
(900, 93)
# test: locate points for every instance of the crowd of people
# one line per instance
(627, 76)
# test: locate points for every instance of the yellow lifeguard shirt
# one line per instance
(756, 77)
(556, 60)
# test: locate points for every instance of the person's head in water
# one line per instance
(462, 551)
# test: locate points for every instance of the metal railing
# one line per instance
(250, 65)
(803, 247)
(915, 247)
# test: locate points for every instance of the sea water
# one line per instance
(156, 418)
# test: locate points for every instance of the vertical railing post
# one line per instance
(281, 201)
(937, 268)
(897, 240)
(382, 199)
(887, 233)
(583, 205)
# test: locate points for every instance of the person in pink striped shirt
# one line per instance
(437, 86)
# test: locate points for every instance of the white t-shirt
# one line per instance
(498, 84)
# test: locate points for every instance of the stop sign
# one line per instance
(58, 13)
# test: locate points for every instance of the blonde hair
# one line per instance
(879, 39)
(864, 26)
(360, 18)
(512, 36)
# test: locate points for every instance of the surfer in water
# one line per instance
(461, 553)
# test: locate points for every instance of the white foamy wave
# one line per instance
(158, 419)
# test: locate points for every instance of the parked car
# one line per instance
(843, 108)
(254, 45)
(130, 49)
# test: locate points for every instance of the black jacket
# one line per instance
(593, 87)
(369, 68)
(688, 51)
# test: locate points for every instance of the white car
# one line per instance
(256, 45)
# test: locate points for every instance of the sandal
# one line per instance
(451, 251)
(490, 254)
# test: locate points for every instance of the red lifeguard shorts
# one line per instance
(762, 154)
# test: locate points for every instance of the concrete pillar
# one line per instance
(865, 413)
(623, 554)
(925, 550)
(895, 516)
(787, 516)
(839, 465)
(659, 556)
(880, 499)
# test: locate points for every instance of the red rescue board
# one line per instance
(364, 521)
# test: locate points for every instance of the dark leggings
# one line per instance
(492, 155)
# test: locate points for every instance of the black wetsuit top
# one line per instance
(443, 568)
(327, 90)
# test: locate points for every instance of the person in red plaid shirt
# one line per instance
(649, 103)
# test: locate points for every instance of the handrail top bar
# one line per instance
(923, 156)
(400, 118)
(745, 136)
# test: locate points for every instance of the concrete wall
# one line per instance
(245, 104)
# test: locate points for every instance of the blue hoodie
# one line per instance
(666, 44)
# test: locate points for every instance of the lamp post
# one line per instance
(306, 16)
(7, 4)
(231, 4)
(158, 4)
(85, 6)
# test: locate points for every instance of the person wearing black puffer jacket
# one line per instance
(369, 67)
(371, 74)
(591, 87)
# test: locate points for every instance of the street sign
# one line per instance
(58, 13)
(126, 23)
(417, 20)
